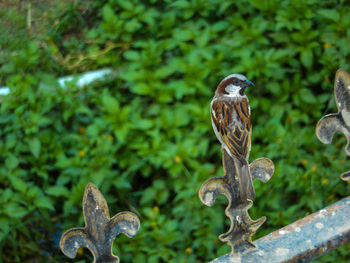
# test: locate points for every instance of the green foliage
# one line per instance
(145, 137)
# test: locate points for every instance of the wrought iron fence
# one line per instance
(301, 241)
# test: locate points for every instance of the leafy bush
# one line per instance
(144, 137)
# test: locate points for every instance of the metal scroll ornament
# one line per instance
(338, 122)
(100, 230)
(239, 236)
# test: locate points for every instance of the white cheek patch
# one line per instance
(233, 91)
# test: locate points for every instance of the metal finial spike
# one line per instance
(100, 230)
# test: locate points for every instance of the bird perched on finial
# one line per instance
(230, 114)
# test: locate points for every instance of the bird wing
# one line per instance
(231, 118)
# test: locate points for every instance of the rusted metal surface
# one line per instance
(100, 230)
(338, 122)
(242, 228)
(301, 241)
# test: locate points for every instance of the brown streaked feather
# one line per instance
(232, 121)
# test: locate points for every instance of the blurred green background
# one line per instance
(144, 136)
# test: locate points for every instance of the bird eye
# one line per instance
(236, 82)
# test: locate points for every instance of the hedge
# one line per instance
(144, 136)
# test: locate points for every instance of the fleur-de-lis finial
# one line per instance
(239, 236)
(100, 230)
(338, 122)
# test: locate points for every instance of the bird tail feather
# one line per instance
(245, 180)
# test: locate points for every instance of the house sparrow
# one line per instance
(230, 115)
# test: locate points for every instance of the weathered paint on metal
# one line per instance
(100, 230)
(301, 241)
(338, 122)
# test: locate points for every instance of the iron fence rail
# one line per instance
(301, 241)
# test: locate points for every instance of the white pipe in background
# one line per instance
(82, 79)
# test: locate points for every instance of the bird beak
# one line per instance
(249, 83)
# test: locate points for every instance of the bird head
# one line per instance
(233, 85)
